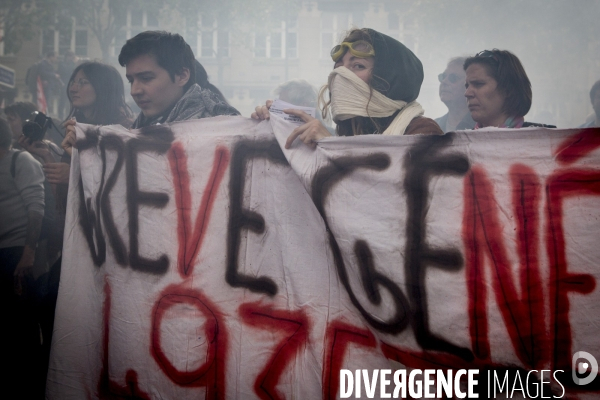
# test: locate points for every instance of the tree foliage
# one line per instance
(17, 17)
(104, 18)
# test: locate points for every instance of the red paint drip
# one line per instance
(561, 185)
(526, 198)
(107, 388)
(577, 146)
(482, 234)
(339, 336)
(211, 374)
(190, 241)
(293, 326)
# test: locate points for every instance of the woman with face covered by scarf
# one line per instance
(373, 89)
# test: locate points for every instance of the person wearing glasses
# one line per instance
(97, 96)
(498, 90)
(452, 94)
(373, 88)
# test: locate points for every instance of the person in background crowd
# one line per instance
(595, 99)
(50, 78)
(160, 67)
(96, 93)
(301, 93)
(19, 112)
(97, 96)
(49, 245)
(373, 89)
(21, 214)
(452, 94)
(65, 69)
(498, 90)
(298, 92)
(16, 115)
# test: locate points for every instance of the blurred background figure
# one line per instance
(48, 251)
(594, 120)
(298, 92)
(46, 70)
(452, 94)
(65, 69)
(21, 215)
(498, 90)
(96, 96)
(51, 82)
(19, 112)
(301, 93)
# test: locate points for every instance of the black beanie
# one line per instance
(398, 73)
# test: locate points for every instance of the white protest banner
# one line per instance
(203, 260)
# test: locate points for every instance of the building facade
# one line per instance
(248, 62)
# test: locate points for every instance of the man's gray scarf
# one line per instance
(194, 104)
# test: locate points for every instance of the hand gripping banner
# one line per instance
(203, 260)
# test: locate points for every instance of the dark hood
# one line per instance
(398, 73)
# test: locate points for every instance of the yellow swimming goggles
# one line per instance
(359, 49)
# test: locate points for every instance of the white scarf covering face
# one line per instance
(350, 98)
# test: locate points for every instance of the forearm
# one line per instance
(25, 265)
(34, 227)
(47, 158)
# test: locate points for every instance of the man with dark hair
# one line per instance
(160, 68)
(595, 99)
(21, 214)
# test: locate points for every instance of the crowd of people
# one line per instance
(372, 90)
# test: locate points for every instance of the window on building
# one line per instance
(291, 45)
(291, 38)
(331, 26)
(137, 17)
(81, 42)
(191, 31)
(260, 45)
(276, 43)
(207, 44)
(49, 40)
(151, 19)
(280, 42)
(395, 26)
(223, 43)
(64, 41)
(66, 38)
(393, 21)
(133, 22)
(213, 40)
